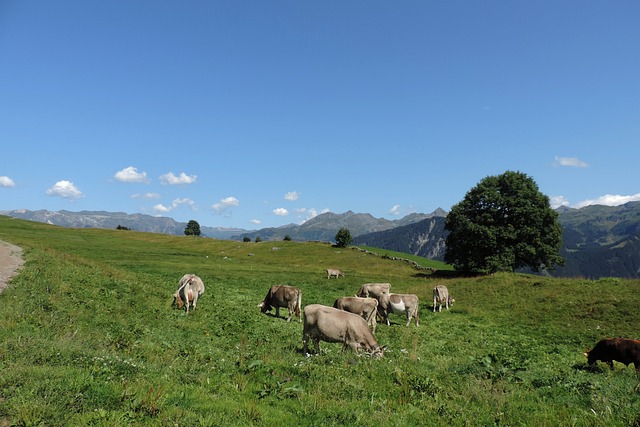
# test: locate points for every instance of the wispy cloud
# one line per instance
(65, 189)
(224, 204)
(280, 212)
(5, 181)
(570, 162)
(305, 214)
(160, 208)
(148, 196)
(255, 221)
(395, 210)
(131, 174)
(171, 179)
(606, 200)
(292, 196)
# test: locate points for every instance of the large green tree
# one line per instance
(193, 228)
(502, 224)
(343, 237)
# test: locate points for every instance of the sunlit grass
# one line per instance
(88, 337)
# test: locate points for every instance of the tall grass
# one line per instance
(88, 337)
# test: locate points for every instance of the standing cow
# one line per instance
(190, 288)
(440, 296)
(621, 350)
(283, 296)
(331, 272)
(363, 307)
(399, 304)
(322, 323)
(373, 290)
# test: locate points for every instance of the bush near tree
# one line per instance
(504, 223)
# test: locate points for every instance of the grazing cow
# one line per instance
(440, 296)
(373, 290)
(332, 325)
(190, 288)
(334, 272)
(621, 350)
(363, 307)
(283, 296)
(398, 304)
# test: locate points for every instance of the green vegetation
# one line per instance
(503, 224)
(192, 228)
(343, 238)
(88, 337)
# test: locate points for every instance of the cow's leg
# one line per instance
(434, 304)
(408, 316)
(305, 342)
(277, 311)
(316, 345)
(416, 317)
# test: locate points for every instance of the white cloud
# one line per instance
(608, 200)
(255, 221)
(171, 179)
(281, 212)
(557, 201)
(160, 208)
(310, 213)
(395, 210)
(65, 189)
(5, 181)
(292, 196)
(146, 196)
(225, 204)
(570, 161)
(131, 174)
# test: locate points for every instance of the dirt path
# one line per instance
(10, 262)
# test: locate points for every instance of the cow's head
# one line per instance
(451, 300)
(177, 301)
(264, 307)
(377, 352)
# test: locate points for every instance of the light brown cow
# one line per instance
(322, 323)
(333, 272)
(398, 304)
(190, 288)
(283, 296)
(363, 307)
(373, 290)
(440, 296)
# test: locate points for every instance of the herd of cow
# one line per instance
(352, 320)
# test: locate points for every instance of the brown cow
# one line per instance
(283, 296)
(333, 325)
(373, 290)
(621, 350)
(440, 296)
(363, 307)
(333, 272)
(398, 304)
(190, 288)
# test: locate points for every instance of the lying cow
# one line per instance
(322, 323)
(333, 272)
(190, 288)
(440, 296)
(363, 307)
(283, 296)
(398, 304)
(621, 350)
(373, 290)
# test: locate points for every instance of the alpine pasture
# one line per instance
(89, 337)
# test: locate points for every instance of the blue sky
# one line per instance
(256, 114)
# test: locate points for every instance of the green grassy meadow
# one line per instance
(88, 337)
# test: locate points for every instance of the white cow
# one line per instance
(440, 296)
(333, 272)
(399, 304)
(322, 323)
(190, 288)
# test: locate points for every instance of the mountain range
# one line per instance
(598, 241)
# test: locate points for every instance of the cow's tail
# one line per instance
(298, 304)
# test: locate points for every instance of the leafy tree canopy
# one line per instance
(193, 228)
(343, 238)
(504, 223)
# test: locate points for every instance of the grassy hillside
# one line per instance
(88, 337)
